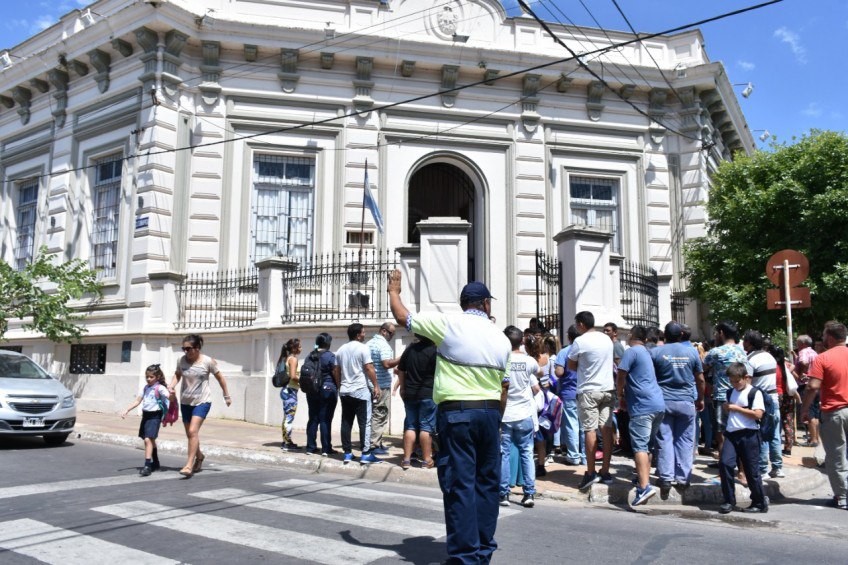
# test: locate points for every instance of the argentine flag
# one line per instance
(371, 204)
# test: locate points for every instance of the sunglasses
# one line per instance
(187, 349)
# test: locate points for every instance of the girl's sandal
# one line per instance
(405, 464)
(198, 462)
(186, 472)
(429, 464)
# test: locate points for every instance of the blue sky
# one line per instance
(793, 52)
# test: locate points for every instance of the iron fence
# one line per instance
(639, 294)
(347, 285)
(226, 299)
(548, 288)
(679, 300)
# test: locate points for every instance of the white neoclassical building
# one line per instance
(209, 158)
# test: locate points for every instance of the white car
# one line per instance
(32, 402)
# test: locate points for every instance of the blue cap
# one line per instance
(474, 292)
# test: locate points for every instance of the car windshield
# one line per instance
(20, 367)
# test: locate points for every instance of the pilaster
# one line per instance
(288, 70)
(594, 94)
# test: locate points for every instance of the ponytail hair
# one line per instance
(288, 348)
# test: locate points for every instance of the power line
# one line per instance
(355, 113)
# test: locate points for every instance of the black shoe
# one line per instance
(756, 509)
(145, 471)
(290, 446)
(663, 484)
(588, 480)
(726, 508)
(527, 501)
(540, 471)
(155, 466)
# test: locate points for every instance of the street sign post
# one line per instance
(787, 269)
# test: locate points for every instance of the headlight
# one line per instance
(68, 401)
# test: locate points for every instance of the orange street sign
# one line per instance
(799, 267)
(799, 297)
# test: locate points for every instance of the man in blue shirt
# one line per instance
(384, 360)
(571, 435)
(641, 396)
(681, 379)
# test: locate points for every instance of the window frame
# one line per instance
(85, 356)
(31, 206)
(592, 205)
(100, 213)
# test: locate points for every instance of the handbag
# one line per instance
(281, 376)
(791, 384)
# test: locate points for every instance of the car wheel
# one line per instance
(58, 439)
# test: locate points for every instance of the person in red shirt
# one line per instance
(829, 374)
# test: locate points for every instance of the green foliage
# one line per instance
(791, 197)
(40, 293)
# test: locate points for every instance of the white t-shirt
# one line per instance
(763, 370)
(593, 353)
(352, 358)
(737, 421)
(194, 379)
(519, 398)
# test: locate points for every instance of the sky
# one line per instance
(792, 52)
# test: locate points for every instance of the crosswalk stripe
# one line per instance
(77, 484)
(360, 493)
(350, 516)
(256, 536)
(66, 547)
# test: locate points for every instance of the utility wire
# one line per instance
(355, 113)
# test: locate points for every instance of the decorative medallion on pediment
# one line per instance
(444, 20)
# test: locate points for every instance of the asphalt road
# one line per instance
(85, 503)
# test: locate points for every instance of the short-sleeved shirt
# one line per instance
(593, 352)
(831, 367)
(805, 358)
(326, 363)
(473, 354)
(737, 421)
(418, 363)
(720, 358)
(641, 391)
(763, 370)
(676, 365)
(352, 358)
(381, 351)
(568, 380)
(519, 400)
(149, 402)
(194, 379)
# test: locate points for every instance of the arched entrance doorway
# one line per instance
(442, 189)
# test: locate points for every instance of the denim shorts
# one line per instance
(420, 415)
(188, 411)
(642, 429)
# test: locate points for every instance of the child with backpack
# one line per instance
(746, 407)
(154, 399)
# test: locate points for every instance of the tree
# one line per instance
(792, 197)
(39, 294)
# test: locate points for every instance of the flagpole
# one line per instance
(362, 223)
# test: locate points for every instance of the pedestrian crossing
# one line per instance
(241, 519)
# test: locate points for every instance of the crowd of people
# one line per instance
(490, 407)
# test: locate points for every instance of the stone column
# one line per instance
(587, 278)
(443, 263)
(410, 268)
(273, 298)
(165, 309)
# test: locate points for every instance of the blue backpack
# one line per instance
(768, 427)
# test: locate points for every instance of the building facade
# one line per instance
(170, 141)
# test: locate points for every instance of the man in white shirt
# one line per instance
(519, 422)
(352, 373)
(764, 377)
(591, 355)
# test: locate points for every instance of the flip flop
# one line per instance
(429, 464)
(186, 472)
(405, 464)
(198, 462)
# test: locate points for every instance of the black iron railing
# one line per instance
(679, 300)
(639, 294)
(226, 299)
(339, 286)
(548, 288)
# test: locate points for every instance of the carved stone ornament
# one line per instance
(23, 96)
(101, 61)
(40, 85)
(7, 102)
(407, 68)
(656, 110)
(530, 88)
(363, 84)
(59, 79)
(690, 115)
(563, 83)
(449, 75)
(594, 93)
(78, 67)
(448, 21)
(489, 76)
(125, 48)
(288, 70)
(251, 53)
(627, 90)
(209, 88)
(327, 60)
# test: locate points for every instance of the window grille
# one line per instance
(283, 201)
(88, 359)
(26, 213)
(594, 203)
(106, 197)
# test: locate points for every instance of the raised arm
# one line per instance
(399, 311)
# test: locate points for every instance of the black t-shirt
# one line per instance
(419, 363)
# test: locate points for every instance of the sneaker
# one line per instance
(642, 495)
(549, 459)
(290, 446)
(504, 500)
(145, 471)
(726, 508)
(368, 458)
(527, 501)
(840, 503)
(776, 473)
(348, 457)
(606, 478)
(588, 480)
(756, 509)
(557, 450)
(380, 450)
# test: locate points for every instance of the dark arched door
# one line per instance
(441, 189)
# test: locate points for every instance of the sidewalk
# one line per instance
(255, 443)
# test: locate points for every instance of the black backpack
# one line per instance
(311, 378)
(281, 376)
(768, 427)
